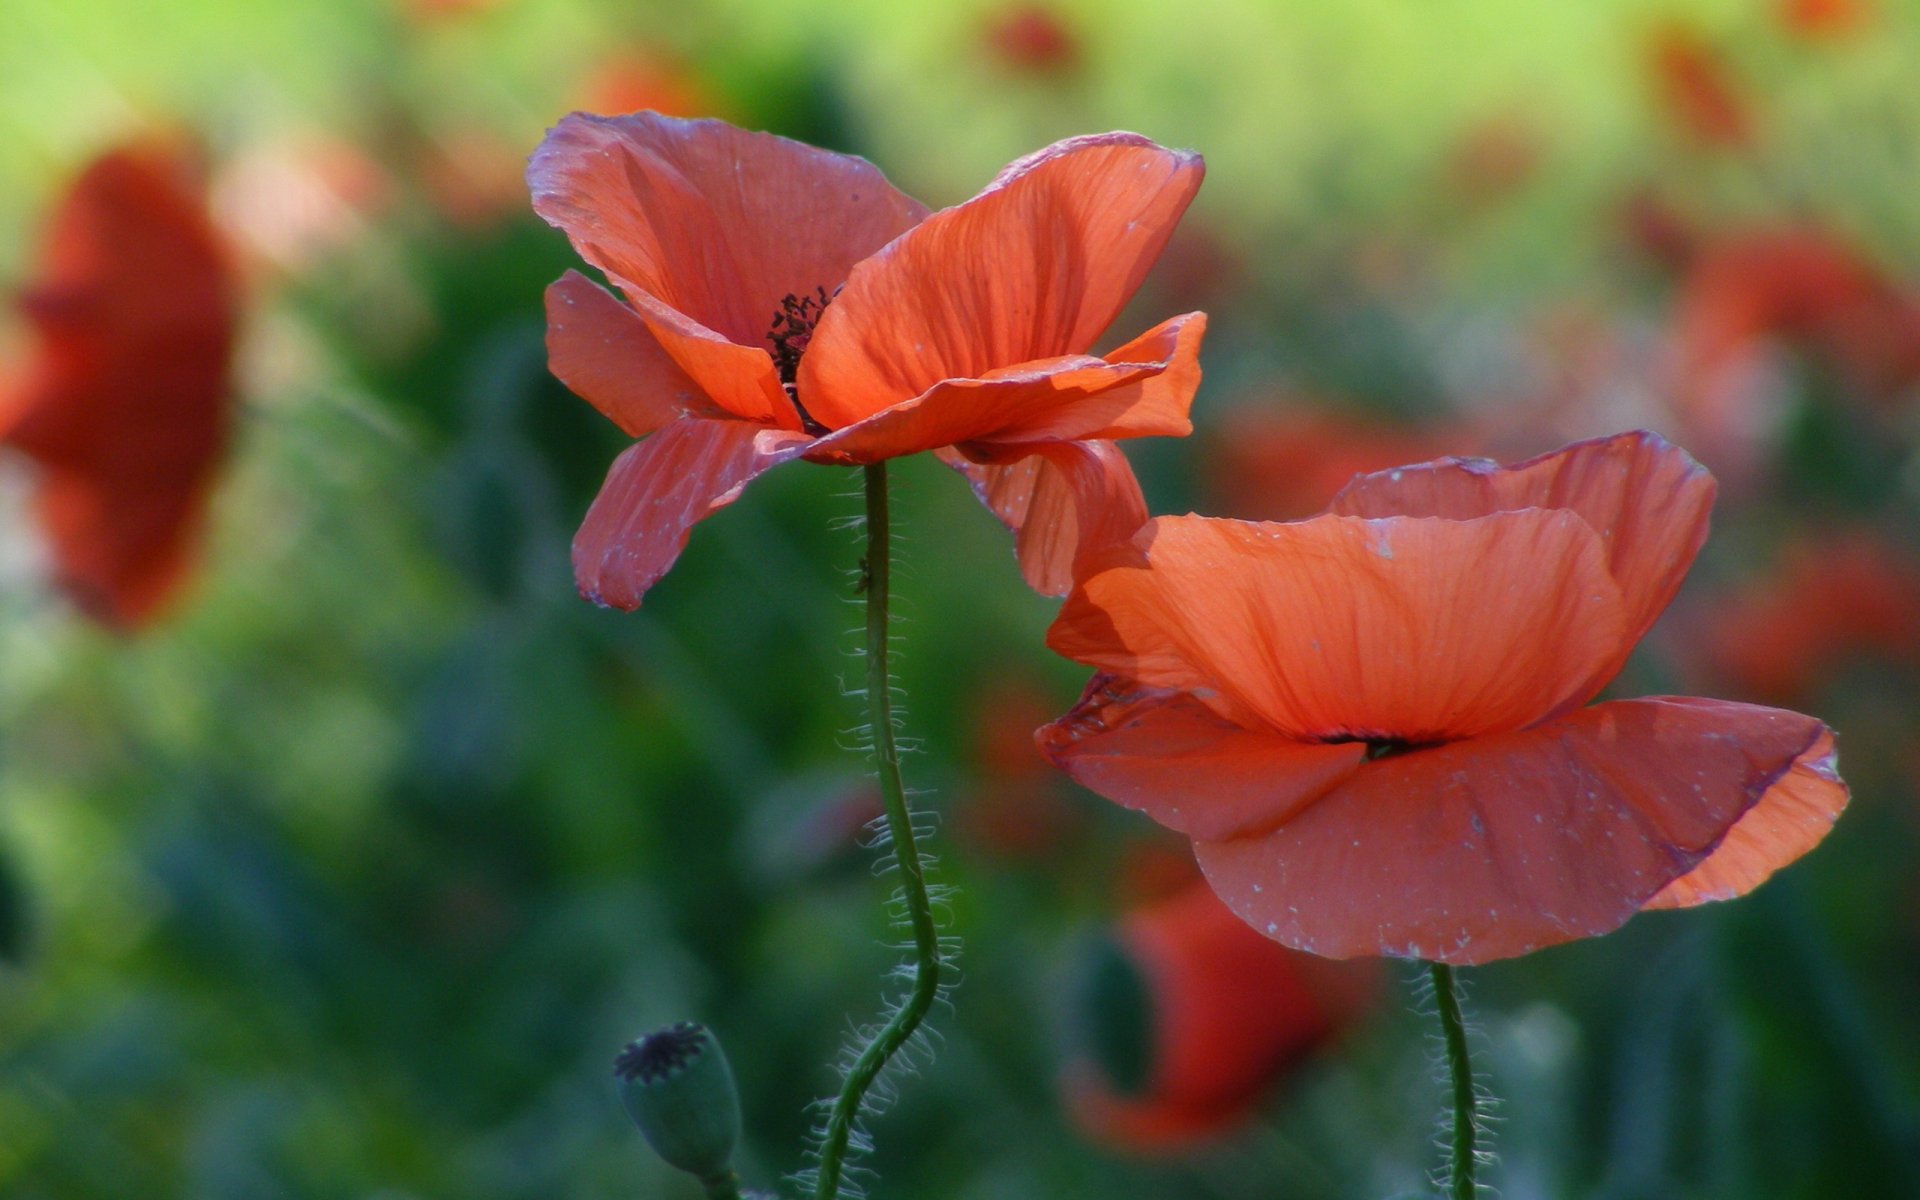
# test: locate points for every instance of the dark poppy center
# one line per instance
(1378, 747)
(792, 330)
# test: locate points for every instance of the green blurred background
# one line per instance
(350, 877)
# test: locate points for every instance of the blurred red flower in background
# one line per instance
(1187, 1019)
(1015, 809)
(786, 302)
(1281, 462)
(1745, 294)
(1824, 18)
(1835, 597)
(1695, 89)
(1496, 157)
(646, 78)
(1031, 38)
(1370, 722)
(124, 404)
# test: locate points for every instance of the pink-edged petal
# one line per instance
(1034, 267)
(606, 355)
(1497, 846)
(1414, 629)
(1789, 820)
(715, 222)
(1062, 399)
(1061, 502)
(657, 489)
(1167, 755)
(1646, 498)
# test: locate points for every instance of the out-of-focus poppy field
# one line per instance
(343, 844)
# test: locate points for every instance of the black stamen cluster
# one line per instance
(793, 329)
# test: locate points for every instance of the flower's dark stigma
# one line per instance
(792, 329)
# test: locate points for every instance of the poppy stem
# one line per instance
(927, 966)
(1466, 1113)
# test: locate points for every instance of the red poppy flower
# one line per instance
(124, 406)
(1843, 596)
(1695, 88)
(784, 302)
(1370, 722)
(1803, 287)
(1017, 807)
(1032, 38)
(1191, 1018)
(1281, 463)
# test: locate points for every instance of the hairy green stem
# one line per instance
(913, 882)
(1465, 1111)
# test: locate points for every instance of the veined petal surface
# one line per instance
(1411, 629)
(1062, 399)
(607, 356)
(654, 494)
(707, 228)
(1061, 502)
(1035, 267)
(1497, 846)
(716, 222)
(1166, 754)
(1647, 499)
(1792, 818)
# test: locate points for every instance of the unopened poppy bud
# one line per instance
(679, 1090)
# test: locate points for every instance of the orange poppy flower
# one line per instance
(1192, 1018)
(124, 407)
(785, 302)
(1815, 19)
(1370, 722)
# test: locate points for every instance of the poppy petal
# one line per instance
(1061, 399)
(708, 228)
(715, 222)
(1035, 267)
(638, 524)
(125, 401)
(120, 548)
(607, 356)
(1496, 846)
(1061, 502)
(1166, 754)
(1789, 820)
(1646, 498)
(1340, 629)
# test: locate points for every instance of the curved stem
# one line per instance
(913, 882)
(1465, 1116)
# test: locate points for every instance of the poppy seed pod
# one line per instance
(679, 1090)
